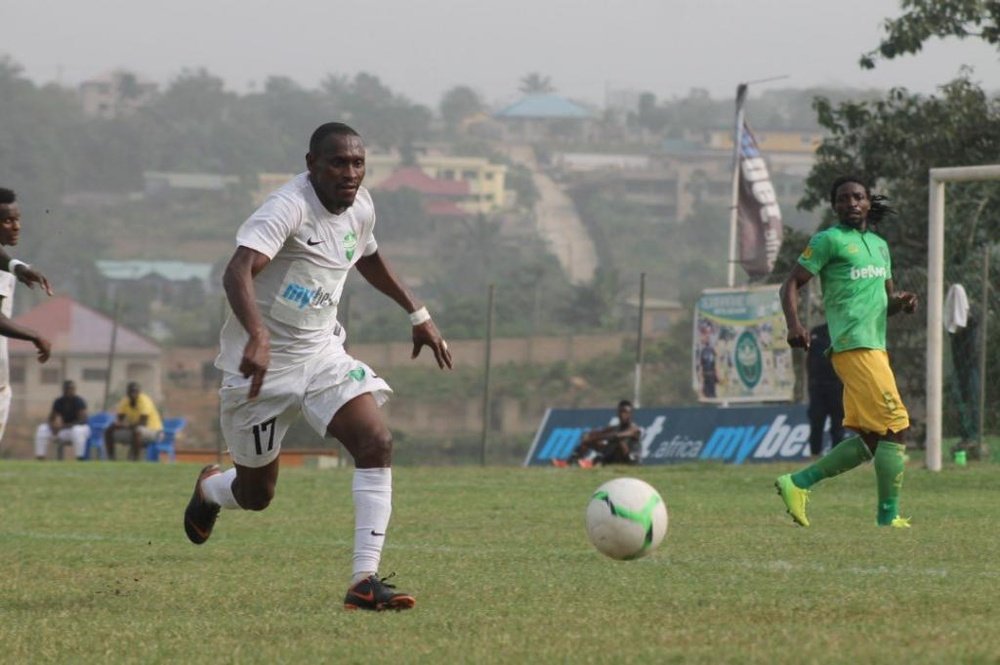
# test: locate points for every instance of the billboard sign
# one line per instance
(735, 435)
(741, 351)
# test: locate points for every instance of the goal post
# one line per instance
(935, 295)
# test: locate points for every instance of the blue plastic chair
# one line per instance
(98, 423)
(165, 442)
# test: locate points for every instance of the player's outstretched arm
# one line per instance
(10, 329)
(377, 272)
(25, 273)
(28, 275)
(238, 283)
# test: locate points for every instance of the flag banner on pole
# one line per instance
(741, 351)
(759, 216)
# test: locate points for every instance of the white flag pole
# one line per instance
(741, 92)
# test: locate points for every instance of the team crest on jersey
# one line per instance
(852, 249)
(807, 252)
(350, 244)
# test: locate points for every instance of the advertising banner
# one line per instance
(686, 434)
(758, 214)
(741, 351)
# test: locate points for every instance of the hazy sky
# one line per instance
(423, 47)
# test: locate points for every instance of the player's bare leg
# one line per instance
(243, 487)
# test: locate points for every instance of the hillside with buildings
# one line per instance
(558, 204)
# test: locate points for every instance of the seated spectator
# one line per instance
(615, 444)
(67, 424)
(138, 423)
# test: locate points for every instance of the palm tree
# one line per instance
(536, 84)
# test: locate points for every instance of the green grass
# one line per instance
(96, 569)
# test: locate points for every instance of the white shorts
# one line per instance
(253, 429)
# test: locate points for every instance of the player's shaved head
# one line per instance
(329, 129)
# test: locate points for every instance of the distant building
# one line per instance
(484, 180)
(170, 282)
(81, 341)
(161, 184)
(670, 183)
(769, 141)
(547, 117)
(115, 93)
(442, 198)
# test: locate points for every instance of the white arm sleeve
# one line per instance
(267, 229)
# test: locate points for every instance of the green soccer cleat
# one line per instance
(900, 523)
(794, 497)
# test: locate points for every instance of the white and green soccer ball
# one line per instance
(626, 518)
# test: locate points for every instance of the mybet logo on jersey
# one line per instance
(869, 272)
(303, 297)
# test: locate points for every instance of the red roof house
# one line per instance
(441, 197)
(81, 345)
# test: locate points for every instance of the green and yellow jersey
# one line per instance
(853, 267)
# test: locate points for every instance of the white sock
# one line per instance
(219, 488)
(372, 489)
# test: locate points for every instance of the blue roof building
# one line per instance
(547, 117)
(551, 107)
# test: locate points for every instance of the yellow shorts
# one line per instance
(871, 398)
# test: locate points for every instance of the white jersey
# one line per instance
(297, 293)
(7, 283)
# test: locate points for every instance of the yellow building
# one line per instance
(769, 141)
(486, 180)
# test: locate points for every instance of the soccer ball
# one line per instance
(626, 518)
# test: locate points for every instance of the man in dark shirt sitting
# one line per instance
(67, 424)
(614, 444)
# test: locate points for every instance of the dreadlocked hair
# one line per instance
(878, 210)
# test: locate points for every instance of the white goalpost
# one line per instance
(935, 295)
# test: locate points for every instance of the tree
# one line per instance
(383, 118)
(894, 142)
(536, 84)
(935, 18)
(458, 104)
(650, 116)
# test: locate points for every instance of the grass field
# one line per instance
(96, 569)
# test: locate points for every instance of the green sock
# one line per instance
(845, 456)
(890, 460)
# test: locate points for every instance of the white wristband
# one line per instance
(14, 263)
(420, 316)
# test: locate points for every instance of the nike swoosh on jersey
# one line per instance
(313, 243)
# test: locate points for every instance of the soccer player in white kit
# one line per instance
(10, 231)
(282, 352)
